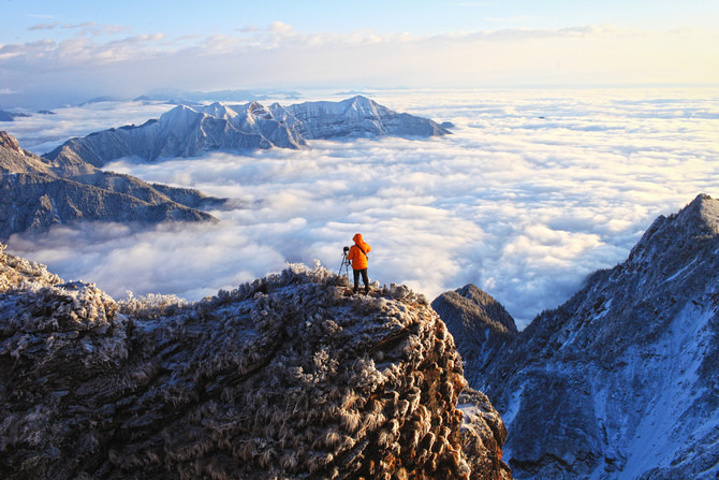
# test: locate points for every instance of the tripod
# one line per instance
(345, 263)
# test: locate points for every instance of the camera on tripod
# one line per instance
(345, 262)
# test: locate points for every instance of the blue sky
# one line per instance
(62, 50)
(184, 17)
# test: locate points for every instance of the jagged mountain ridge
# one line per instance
(286, 377)
(357, 117)
(620, 382)
(37, 193)
(190, 131)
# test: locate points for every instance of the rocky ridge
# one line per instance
(286, 377)
(188, 131)
(480, 325)
(36, 193)
(620, 382)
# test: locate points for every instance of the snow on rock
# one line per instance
(360, 117)
(285, 377)
(189, 131)
(620, 382)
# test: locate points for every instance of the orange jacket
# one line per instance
(359, 259)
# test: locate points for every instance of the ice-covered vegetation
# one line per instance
(285, 377)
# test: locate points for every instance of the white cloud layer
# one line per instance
(535, 190)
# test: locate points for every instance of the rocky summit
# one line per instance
(36, 194)
(288, 377)
(620, 382)
(479, 323)
(188, 131)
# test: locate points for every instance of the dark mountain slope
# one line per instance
(37, 193)
(480, 325)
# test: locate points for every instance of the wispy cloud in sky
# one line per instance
(44, 26)
(104, 60)
(535, 190)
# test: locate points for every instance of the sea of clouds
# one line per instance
(534, 190)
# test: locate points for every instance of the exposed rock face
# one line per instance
(621, 382)
(36, 194)
(190, 131)
(480, 325)
(10, 142)
(286, 377)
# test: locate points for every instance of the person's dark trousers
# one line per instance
(365, 279)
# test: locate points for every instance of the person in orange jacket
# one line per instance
(358, 255)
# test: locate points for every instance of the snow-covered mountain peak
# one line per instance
(189, 131)
(219, 110)
(361, 103)
(181, 118)
(349, 107)
(679, 236)
(701, 215)
(258, 110)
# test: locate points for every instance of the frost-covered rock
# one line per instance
(621, 382)
(287, 377)
(190, 131)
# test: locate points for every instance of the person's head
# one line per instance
(357, 238)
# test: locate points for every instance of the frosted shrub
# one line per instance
(151, 305)
(276, 379)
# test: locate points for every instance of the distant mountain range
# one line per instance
(188, 131)
(6, 116)
(36, 193)
(198, 97)
(620, 382)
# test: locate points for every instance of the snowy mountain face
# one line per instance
(360, 117)
(190, 131)
(36, 193)
(621, 381)
(287, 377)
